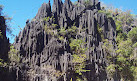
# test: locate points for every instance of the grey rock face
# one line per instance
(43, 54)
(44, 11)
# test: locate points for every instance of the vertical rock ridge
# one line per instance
(44, 11)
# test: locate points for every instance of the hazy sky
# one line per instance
(21, 10)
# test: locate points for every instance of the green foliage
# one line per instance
(133, 34)
(53, 26)
(78, 79)
(87, 3)
(101, 11)
(62, 31)
(125, 48)
(79, 57)
(81, 79)
(71, 79)
(48, 29)
(13, 55)
(111, 69)
(2, 63)
(108, 47)
(46, 19)
(72, 30)
(100, 31)
(79, 63)
(126, 61)
(120, 37)
(61, 38)
(76, 44)
(134, 70)
(1, 34)
(51, 29)
(107, 12)
(135, 45)
(125, 58)
(1, 60)
(122, 18)
(126, 17)
(118, 26)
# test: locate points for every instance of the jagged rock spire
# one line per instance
(44, 11)
(68, 5)
(57, 7)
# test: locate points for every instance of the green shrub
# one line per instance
(87, 3)
(107, 12)
(61, 38)
(46, 19)
(51, 29)
(111, 69)
(76, 44)
(72, 30)
(2, 63)
(133, 34)
(124, 60)
(118, 26)
(13, 55)
(121, 37)
(62, 31)
(54, 25)
(134, 70)
(101, 11)
(79, 56)
(100, 31)
(79, 63)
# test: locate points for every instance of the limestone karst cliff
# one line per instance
(44, 54)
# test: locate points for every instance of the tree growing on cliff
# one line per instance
(79, 57)
(122, 60)
(7, 20)
(14, 56)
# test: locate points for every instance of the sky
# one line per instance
(21, 10)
